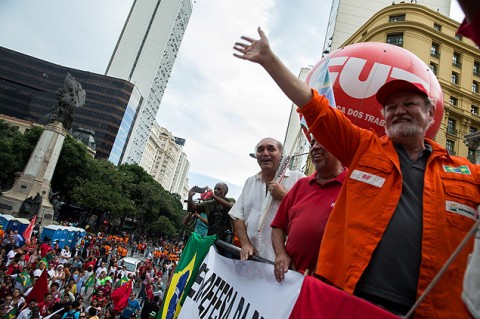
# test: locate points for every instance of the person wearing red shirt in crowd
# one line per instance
(13, 268)
(46, 305)
(90, 263)
(100, 298)
(54, 290)
(303, 214)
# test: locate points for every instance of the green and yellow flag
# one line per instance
(11, 314)
(24, 278)
(43, 260)
(123, 280)
(185, 274)
(90, 281)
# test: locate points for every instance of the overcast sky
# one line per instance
(222, 106)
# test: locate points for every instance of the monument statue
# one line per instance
(30, 206)
(21, 200)
(69, 97)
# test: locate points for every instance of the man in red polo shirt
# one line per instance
(303, 214)
(45, 247)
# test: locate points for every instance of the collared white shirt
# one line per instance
(254, 200)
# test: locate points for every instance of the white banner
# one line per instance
(227, 288)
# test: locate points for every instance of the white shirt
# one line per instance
(37, 272)
(250, 206)
(66, 255)
(100, 270)
(25, 314)
(10, 256)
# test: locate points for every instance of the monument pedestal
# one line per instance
(35, 179)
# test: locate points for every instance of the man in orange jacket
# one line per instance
(405, 205)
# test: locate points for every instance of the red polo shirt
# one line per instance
(303, 214)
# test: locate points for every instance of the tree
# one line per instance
(15, 151)
(98, 186)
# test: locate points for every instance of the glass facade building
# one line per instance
(28, 91)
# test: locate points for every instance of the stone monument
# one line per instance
(30, 192)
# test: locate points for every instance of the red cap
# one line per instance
(398, 85)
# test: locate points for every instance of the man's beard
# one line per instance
(402, 130)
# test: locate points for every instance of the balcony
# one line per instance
(457, 64)
(435, 54)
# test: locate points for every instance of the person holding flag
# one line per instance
(406, 205)
(90, 281)
(22, 280)
(27, 233)
(260, 198)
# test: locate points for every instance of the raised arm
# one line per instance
(259, 51)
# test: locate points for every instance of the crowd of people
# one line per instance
(81, 280)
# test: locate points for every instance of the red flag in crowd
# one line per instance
(120, 296)
(40, 288)
(316, 297)
(27, 233)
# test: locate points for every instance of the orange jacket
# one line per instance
(368, 200)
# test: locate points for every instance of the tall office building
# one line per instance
(144, 55)
(346, 17)
(165, 160)
(28, 90)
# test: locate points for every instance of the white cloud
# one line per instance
(221, 105)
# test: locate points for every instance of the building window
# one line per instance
(395, 39)
(437, 27)
(473, 129)
(456, 60)
(475, 87)
(474, 109)
(450, 146)
(458, 37)
(476, 68)
(451, 127)
(453, 101)
(400, 17)
(471, 155)
(454, 78)
(434, 67)
(435, 50)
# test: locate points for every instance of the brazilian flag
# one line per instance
(123, 280)
(90, 281)
(185, 274)
(24, 278)
(43, 260)
(11, 314)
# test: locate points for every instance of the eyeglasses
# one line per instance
(82, 316)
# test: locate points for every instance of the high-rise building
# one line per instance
(28, 91)
(346, 17)
(165, 160)
(144, 55)
(180, 182)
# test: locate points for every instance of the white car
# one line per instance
(132, 265)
